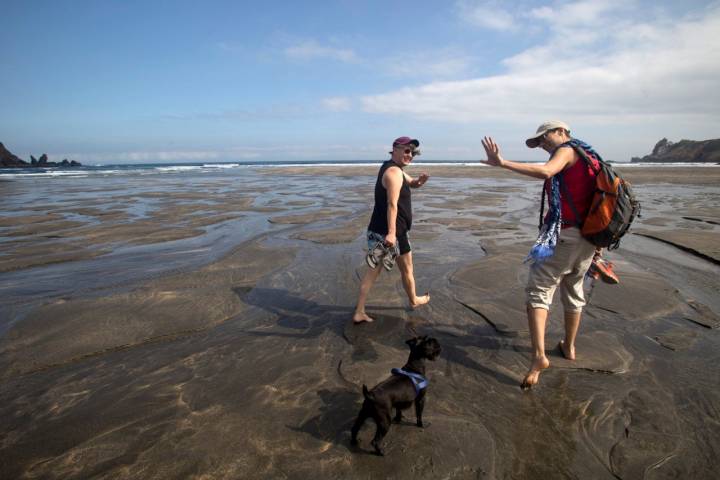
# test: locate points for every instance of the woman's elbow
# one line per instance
(545, 173)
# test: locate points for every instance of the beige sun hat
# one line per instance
(534, 141)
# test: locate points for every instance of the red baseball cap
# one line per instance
(406, 141)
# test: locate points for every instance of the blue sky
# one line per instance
(141, 81)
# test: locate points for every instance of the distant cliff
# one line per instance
(8, 160)
(683, 151)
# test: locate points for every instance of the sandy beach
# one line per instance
(200, 327)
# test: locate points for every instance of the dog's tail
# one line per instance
(367, 394)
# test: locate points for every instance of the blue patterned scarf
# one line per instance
(550, 231)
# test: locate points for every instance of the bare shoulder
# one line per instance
(393, 174)
(564, 156)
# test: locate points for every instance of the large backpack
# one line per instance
(613, 207)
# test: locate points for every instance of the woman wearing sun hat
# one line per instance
(560, 256)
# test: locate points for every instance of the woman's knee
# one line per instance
(405, 264)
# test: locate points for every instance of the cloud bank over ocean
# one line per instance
(226, 83)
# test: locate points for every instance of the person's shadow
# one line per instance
(302, 318)
(298, 317)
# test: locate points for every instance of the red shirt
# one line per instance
(579, 182)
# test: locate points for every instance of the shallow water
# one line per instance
(225, 349)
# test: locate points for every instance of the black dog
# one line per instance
(399, 391)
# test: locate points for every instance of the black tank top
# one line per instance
(378, 221)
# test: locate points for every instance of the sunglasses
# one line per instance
(408, 151)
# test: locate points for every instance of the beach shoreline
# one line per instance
(183, 326)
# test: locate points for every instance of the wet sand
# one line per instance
(200, 328)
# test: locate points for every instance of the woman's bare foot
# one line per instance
(533, 376)
(360, 317)
(567, 353)
(422, 300)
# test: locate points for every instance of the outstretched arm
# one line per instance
(557, 163)
(417, 182)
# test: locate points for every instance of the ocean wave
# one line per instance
(179, 168)
(44, 174)
(221, 165)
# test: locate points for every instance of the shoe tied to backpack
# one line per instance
(604, 269)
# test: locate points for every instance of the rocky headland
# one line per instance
(9, 160)
(690, 151)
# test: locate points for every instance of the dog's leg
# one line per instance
(419, 405)
(362, 416)
(383, 425)
(398, 415)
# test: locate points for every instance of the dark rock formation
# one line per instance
(665, 151)
(8, 160)
(662, 147)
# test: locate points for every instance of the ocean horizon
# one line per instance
(208, 167)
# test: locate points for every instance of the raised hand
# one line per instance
(422, 179)
(492, 150)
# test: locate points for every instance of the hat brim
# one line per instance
(533, 142)
(411, 142)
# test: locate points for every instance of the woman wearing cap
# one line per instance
(561, 256)
(390, 223)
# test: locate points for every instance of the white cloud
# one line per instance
(486, 14)
(143, 156)
(518, 16)
(337, 104)
(588, 13)
(272, 152)
(661, 71)
(312, 50)
(430, 64)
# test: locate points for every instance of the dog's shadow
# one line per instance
(336, 416)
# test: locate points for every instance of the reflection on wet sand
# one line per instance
(202, 328)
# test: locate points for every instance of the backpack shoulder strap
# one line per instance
(542, 207)
(578, 145)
